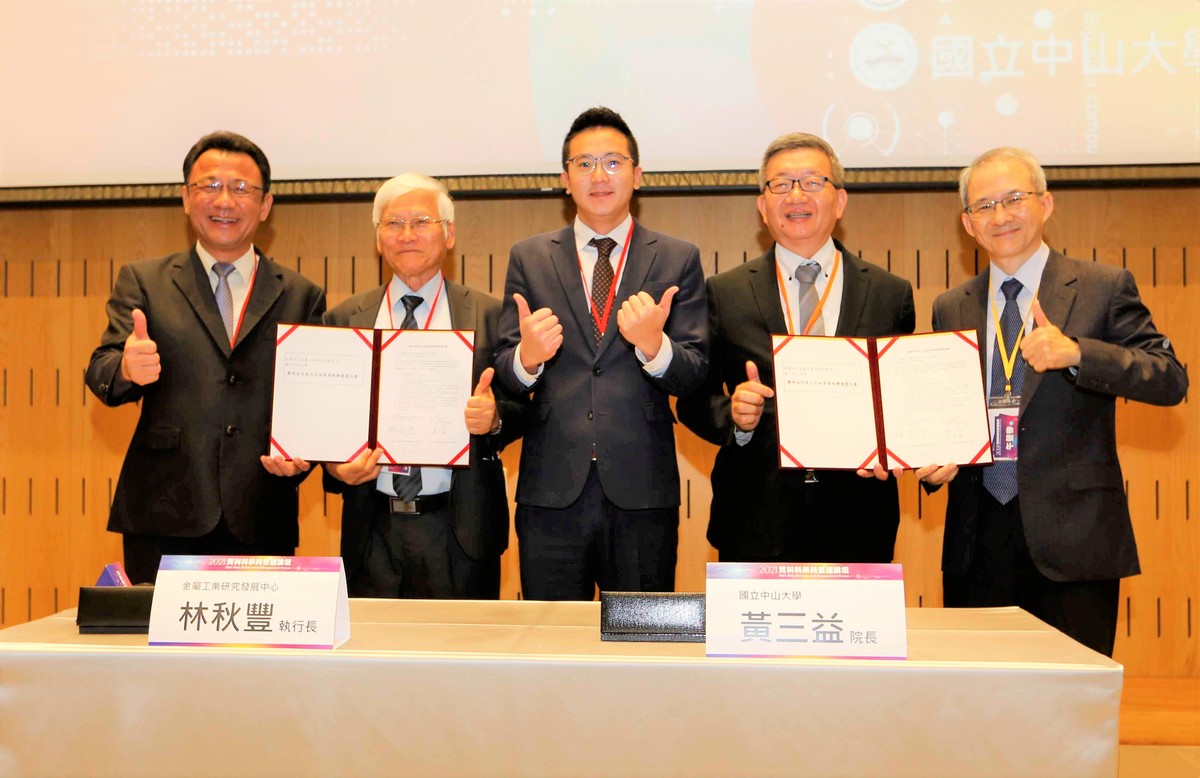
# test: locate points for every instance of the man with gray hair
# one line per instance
(808, 283)
(1048, 530)
(427, 532)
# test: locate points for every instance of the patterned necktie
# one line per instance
(602, 278)
(224, 296)
(1000, 478)
(407, 487)
(807, 274)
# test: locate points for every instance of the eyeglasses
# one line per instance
(1012, 202)
(422, 225)
(810, 184)
(609, 163)
(211, 188)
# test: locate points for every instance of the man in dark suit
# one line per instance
(603, 321)
(192, 336)
(443, 539)
(807, 283)
(1048, 530)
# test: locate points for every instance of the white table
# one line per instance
(528, 688)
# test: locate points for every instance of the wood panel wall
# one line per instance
(60, 449)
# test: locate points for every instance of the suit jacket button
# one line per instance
(231, 430)
(231, 379)
(596, 371)
(103, 388)
(589, 415)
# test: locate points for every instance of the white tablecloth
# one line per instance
(528, 688)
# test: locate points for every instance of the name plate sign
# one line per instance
(267, 601)
(805, 609)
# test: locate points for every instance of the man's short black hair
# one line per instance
(223, 140)
(596, 117)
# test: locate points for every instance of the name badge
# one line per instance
(1002, 417)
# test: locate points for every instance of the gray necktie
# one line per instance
(1000, 478)
(807, 274)
(224, 296)
(407, 487)
(602, 278)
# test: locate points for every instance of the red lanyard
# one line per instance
(602, 321)
(249, 288)
(432, 307)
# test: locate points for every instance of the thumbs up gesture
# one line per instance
(140, 362)
(481, 415)
(641, 320)
(746, 403)
(1046, 347)
(541, 334)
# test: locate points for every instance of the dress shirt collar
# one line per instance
(1029, 274)
(789, 260)
(584, 234)
(243, 265)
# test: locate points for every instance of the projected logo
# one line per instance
(850, 126)
(883, 56)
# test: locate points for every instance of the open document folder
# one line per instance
(903, 401)
(342, 390)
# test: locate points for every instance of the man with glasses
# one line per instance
(1046, 526)
(807, 283)
(427, 532)
(603, 321)
(192, 337)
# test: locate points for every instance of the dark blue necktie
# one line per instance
(1000, 478)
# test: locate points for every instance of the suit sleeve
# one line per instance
(104, 370)
(705, 411)
(687, 328)
(509, 334)
(1133, 360)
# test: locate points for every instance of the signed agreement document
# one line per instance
(903, 401)
(342, 390)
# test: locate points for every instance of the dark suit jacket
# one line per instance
(1069, 485)
(753, 499)
(194, 456)
(478, 499)
(602, 396)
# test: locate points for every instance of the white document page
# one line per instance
(424, 384)
(322, 395)
(823, 400)
(934, 410)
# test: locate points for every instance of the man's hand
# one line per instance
(1046, 348)
(641, 320)
(880, 473)
(140, 362)
(481, 406)
(277, 465)
(541, 335)
(746, 404)
(365, 467)
(936, 475)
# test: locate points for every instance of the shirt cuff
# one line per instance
(742, 437)
(657, 366)
(523, 375)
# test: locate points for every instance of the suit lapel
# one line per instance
(855, 286)
(191, 278)
(638, 261)
(566, 265)
(368, 313)
(764, 285)
(268, 285)
(462, 307)
(1056, 293)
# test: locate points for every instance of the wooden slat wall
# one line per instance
(60, 449)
